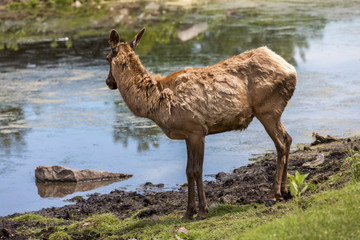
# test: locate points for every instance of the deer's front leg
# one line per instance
(203, 207)
(191, 208)
(195, 150)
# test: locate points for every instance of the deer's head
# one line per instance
(119, 49)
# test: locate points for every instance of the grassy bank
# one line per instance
(327, 213)
(333, 214)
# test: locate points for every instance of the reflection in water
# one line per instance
(86, 50)
(62, 189)
(126, 126)
(12, 129)
(229, 32)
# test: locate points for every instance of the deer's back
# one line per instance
(227, 95)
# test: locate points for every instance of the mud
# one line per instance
(244, 185)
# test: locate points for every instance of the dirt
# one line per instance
(244, 185)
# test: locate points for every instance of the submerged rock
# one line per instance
(64, 174)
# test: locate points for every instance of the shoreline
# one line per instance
(244, 185)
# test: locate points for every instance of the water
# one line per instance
(55, 108)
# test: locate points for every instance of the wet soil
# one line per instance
(244, 185)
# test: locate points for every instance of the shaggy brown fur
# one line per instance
(194, 102)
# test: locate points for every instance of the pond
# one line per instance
(55, 108)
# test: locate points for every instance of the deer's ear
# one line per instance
(114, 39)
(137, 39)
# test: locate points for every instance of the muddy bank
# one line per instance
(244, 185)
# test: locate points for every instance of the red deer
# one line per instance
(194, 102)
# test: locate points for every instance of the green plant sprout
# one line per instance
(297, 185)
(353, 158)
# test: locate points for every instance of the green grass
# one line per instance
(332, 214)
(59, 236)
(36, 223)
(35, 218)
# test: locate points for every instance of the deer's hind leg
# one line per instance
(284, 189)
(282, 140)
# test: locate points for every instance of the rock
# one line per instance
(160, 185)
(150, 185)
(227, 199)
(64, 174)
(76, 199)
(124, 12)
(192, 32)
(118, 18)
(320, 159)
(144, 16)
(264, 189)
(220, 176)
(182, 230)
(77, 4)
(153, 7)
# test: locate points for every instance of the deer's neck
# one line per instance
(138, 89)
